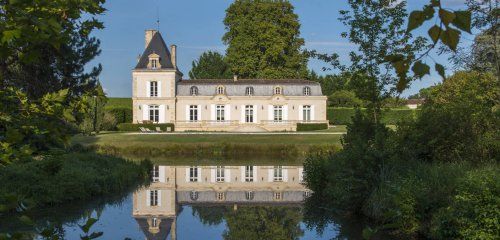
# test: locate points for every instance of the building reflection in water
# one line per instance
(155, 208)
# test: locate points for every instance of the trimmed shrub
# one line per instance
(311, 126)
(132, 127)
(121, 114)
(342, 116)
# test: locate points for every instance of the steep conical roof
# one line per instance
(158, 46)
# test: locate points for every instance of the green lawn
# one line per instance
(119, 103)
(157, 140)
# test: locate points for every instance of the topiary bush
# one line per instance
(301, 127)
(132, 127)
(343, 116)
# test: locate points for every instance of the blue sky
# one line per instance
(196, 26)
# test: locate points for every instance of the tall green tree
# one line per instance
(263, 38)
(210, 65)
(44, 46)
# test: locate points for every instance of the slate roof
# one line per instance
(247, 81)
(156, 45)
(164, 226)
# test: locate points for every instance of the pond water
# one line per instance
(208, 202)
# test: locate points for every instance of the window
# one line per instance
(193, 113)
(220, 90)
(249, 195)
(193, 195)
(154, 63)
(249, 113)
(248, 173)
(221, 196)
(193, 91)
(219, 174)
(153, 89)
(156, 173)
(307, 194)
(193, 174)
(249, 91)
(306, 113)
(277, 196)
(278, 90)
(278, 113)
(154, 113)
(153, 198)
(219, 113)
(278, 174)
(154, 222)
(307, 91)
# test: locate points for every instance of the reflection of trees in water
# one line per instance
(318, 216)
(254, 222)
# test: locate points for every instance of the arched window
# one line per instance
(193, 91)
(278, 90)
(249, 195)
(193, 195)
(220, 90)
(249, 91)
(307, 91)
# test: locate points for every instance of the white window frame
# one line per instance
(220, 90)
(278, 91)
(307, 91)
(249, 114)
(249, 195)
(154, 63)
(155, 174)
(193, 174)
(221, 196)
(306, 113)
(154, 113)
(153, 89)
(220, 174)
(249, 91)
(249, 174)
(193, 113)
(193, 91)
(220, 111)
(277, 113)
(278, 174)
(153, 198)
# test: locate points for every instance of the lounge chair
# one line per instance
(142, 130)
(148, 131)
(158, 129)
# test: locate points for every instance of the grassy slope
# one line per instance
(125, 140)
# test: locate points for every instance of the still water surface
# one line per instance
(210, 202)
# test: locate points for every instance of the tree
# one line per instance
(93, 111)
(422, 93)
(344, 98)
(263, 40)
(210, 65)
(45, 49)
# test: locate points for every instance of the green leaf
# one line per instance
(420, 69)
(440, 69)
(429, 12)
(446, 16)
(95, 235)
(462, 20)
(25, 220)
(450, 38)
(10, 34)
(415, 20)
(394, 58)
(85, 228)
(434, 33)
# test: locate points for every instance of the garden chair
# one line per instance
(158, 129)
(142, 130)
(148, 131)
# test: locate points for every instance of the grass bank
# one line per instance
(207, 145)
(67, 177)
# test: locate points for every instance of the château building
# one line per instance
(160, 95)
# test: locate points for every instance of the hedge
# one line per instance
(131, 127)
(311, 126)
(342, 116)
(121, 114)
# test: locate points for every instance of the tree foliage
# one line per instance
(263, 40)
(210, 65)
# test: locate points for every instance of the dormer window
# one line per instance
(249, 91)
(220, 90)
(193, 91)
(307, 91)
(278, 91)
(154, 61)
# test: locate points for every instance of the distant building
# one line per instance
(414, 103)
(160, 95)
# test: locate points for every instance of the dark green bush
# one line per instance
(122, 114)
(311, 126)
(69, 177)
(343, 116)
(132, 127)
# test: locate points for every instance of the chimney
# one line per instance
(148, 36)
(235, 77)
(173, 55)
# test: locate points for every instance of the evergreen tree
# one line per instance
(263, 40)
(210, 65)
